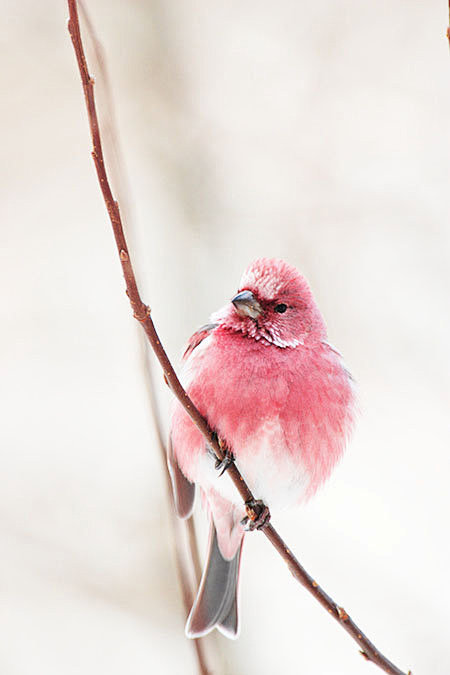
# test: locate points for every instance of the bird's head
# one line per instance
(274, 304)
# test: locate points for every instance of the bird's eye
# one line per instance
(281, 308)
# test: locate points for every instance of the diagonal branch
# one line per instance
(142, 313)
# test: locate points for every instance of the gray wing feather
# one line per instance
(183, 489)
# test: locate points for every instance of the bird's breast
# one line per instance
(284, 413)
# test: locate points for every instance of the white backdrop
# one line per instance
(318, 132)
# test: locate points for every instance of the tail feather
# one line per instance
(216, 602)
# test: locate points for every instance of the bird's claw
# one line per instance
(228, 458)
(258, 515)
(223, 464)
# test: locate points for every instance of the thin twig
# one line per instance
(142, 313)
(178, 526)
(448, 27)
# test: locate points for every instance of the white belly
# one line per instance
(267, 466)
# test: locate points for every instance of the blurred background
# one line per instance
(317, 132)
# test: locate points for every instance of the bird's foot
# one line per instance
(258, 515)
(228, 458)
(224, 464)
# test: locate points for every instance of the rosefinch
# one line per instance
(278, 395)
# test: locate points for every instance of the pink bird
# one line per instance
(281, 399)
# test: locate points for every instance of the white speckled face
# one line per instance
(287, 313)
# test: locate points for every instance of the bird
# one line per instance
(280, 399)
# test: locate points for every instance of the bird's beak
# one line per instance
(246, 304)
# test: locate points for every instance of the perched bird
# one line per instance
(280, 398)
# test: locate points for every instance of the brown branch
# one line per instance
(142, 313)
(448, 28)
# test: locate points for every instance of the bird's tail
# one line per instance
(216, 603)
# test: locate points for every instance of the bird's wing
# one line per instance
(198, 337)
(183, 489)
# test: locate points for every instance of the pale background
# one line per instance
(318, 132)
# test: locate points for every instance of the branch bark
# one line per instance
(448, 27)
(142, 313)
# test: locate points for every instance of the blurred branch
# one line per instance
(178, 527)
(142, 313)
(188, 525)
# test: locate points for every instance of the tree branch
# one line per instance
(448, 27)
(142, 313)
